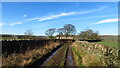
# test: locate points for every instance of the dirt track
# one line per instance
(62, 57)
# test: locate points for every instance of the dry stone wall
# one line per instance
(108, 55)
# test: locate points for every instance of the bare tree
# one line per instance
(28, 33)
(69, 30)
(50, 32)
(61, 32)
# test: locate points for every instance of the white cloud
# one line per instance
(51, 17)
(31, 19)
(1, 24)
(24, 15)
(66, 14)
(11, 24)
(57, 16)
(91, 11)
(108, 20)
(60, 15)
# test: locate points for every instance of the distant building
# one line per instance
(64, 37)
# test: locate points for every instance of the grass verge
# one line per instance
(84, 58)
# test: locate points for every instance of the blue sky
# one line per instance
(17, 17)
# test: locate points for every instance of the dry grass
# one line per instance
(29, 56)
(91, 60)
(84, 58)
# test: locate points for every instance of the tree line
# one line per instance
(68, 30)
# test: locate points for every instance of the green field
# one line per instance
(110, 41)
(113, 38)
(113, 44)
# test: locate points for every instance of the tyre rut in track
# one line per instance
(69, 57)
